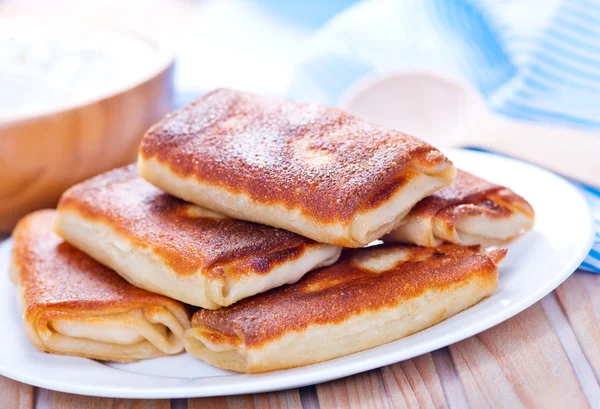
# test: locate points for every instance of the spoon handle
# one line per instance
(571, 152)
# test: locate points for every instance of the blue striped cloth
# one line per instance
(533, 60)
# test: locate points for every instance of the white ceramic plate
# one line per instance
(536, 264)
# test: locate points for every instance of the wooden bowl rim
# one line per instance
(165, 60)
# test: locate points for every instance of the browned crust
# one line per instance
(150, 218)
(510, 200)
(335, 293)
(321, 160)
(497, 255)
(470, 195)
(54, 275)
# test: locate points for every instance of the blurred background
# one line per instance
(247, 44)
(80, 81)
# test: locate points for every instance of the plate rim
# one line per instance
(245, 383)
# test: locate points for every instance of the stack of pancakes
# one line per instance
(241, 205)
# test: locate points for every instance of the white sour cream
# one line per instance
(47, 66)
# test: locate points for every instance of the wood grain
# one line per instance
(453, 389)
(59, 400)
(365, 390)
(15, 395)
(309, 398)
(142, 404)
(518, 364)
(414, 384)
(579, 363)
(579, 297)
(276, 400)
(222, 402)
(284, 399)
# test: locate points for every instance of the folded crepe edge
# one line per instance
(456, 223)
(37, 319)
(322, 342)
(145, 269)
(366, 226)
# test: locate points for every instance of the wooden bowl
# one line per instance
(41, 156)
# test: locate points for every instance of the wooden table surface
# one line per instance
(546, 357)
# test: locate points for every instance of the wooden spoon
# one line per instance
(448, 112)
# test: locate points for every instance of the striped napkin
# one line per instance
(533, 60)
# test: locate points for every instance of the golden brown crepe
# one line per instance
(371, 296)
(180, 250)
(470, 211)
(313, 170)
(72, 305)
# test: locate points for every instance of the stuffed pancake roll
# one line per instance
(73, 305)
(371, 296)
(310, 169)
(171, 247)
(468, 212)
